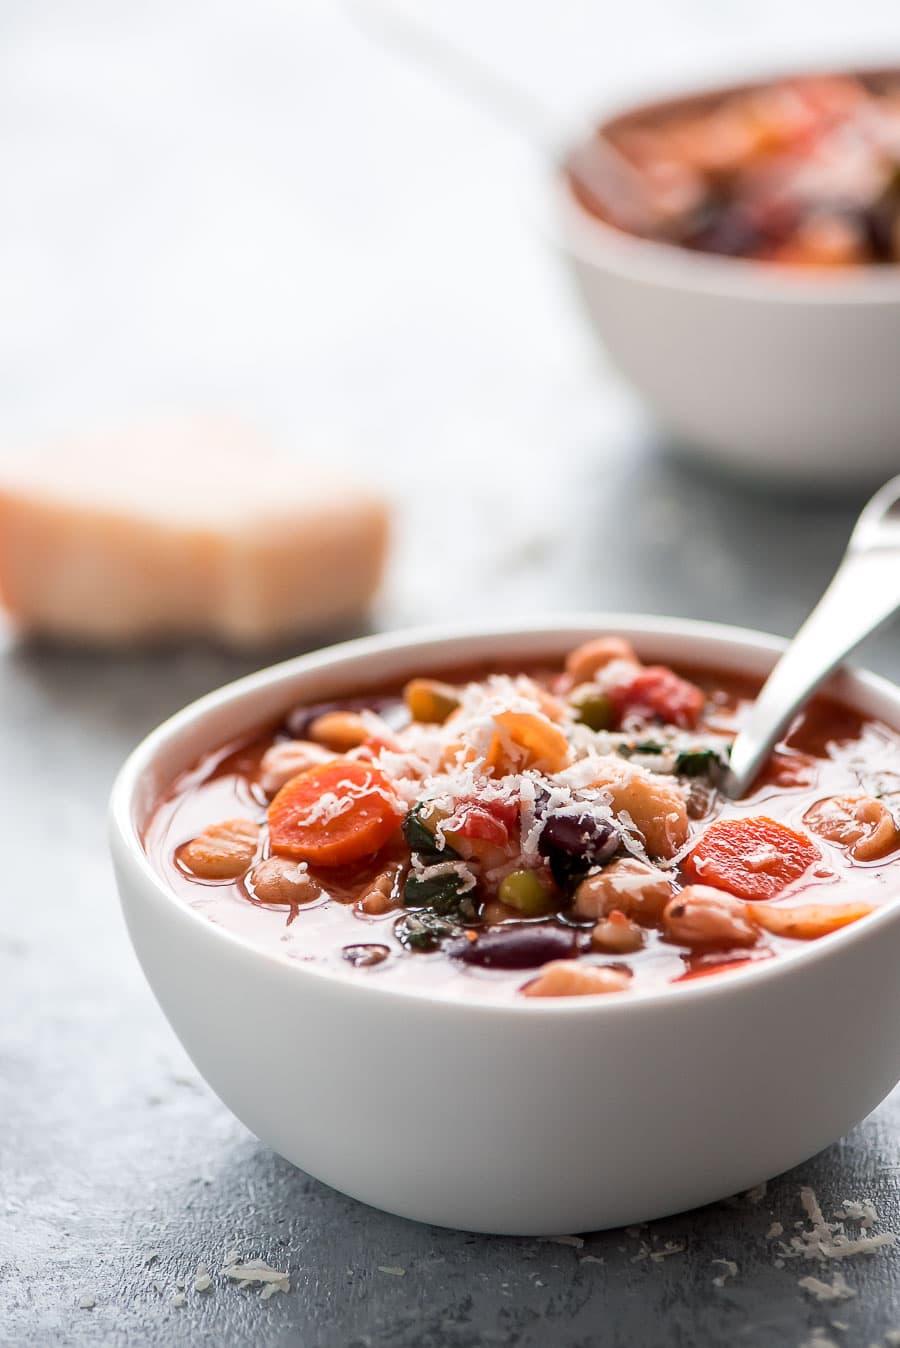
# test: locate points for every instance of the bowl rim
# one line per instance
(591, 240)
(126, 843)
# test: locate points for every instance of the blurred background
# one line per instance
(260, 209)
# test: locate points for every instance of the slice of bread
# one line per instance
(184, 527)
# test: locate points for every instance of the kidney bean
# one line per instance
(516, 947)
(573, 843)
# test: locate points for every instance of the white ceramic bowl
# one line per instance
(785, 374)
(535, 1117)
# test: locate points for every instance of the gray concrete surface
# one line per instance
(248, 207)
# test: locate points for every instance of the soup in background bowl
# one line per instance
(802, 171)
(758, 316)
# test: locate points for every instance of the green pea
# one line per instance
(525, 891)
(594, 710)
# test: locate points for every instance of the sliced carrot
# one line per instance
(334, 813)
(807, 921)
(755, 858)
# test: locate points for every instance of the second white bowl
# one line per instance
(781, 373)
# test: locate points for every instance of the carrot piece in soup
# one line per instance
(808, 921)
(755, 858)
(335, 813)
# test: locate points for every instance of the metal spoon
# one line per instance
(864, 593)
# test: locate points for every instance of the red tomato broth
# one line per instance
(833, 745)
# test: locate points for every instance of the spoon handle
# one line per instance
(602, 171)
(864, 593)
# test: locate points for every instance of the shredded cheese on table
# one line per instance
(829, 1240)
(253, 1272)
(836, 1290)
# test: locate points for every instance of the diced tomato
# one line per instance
(491, 821)
(657, 693)
(477, 823)
(507, 811)
(754, 858)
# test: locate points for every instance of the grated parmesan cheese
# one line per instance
(863, 1212)
(669, 1248)
(440, 868)
(256, 1271)
(730, 1270)
(444, 765)
(829, 1240)
(819, 1339)
(202, 1280)
(656, 1253)
(837, 1290)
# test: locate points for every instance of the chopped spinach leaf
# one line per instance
(644, 747)
(442, 893)
(442, 900)
(420, 838)
(701, 762)
(425, 930)
(572, 845)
